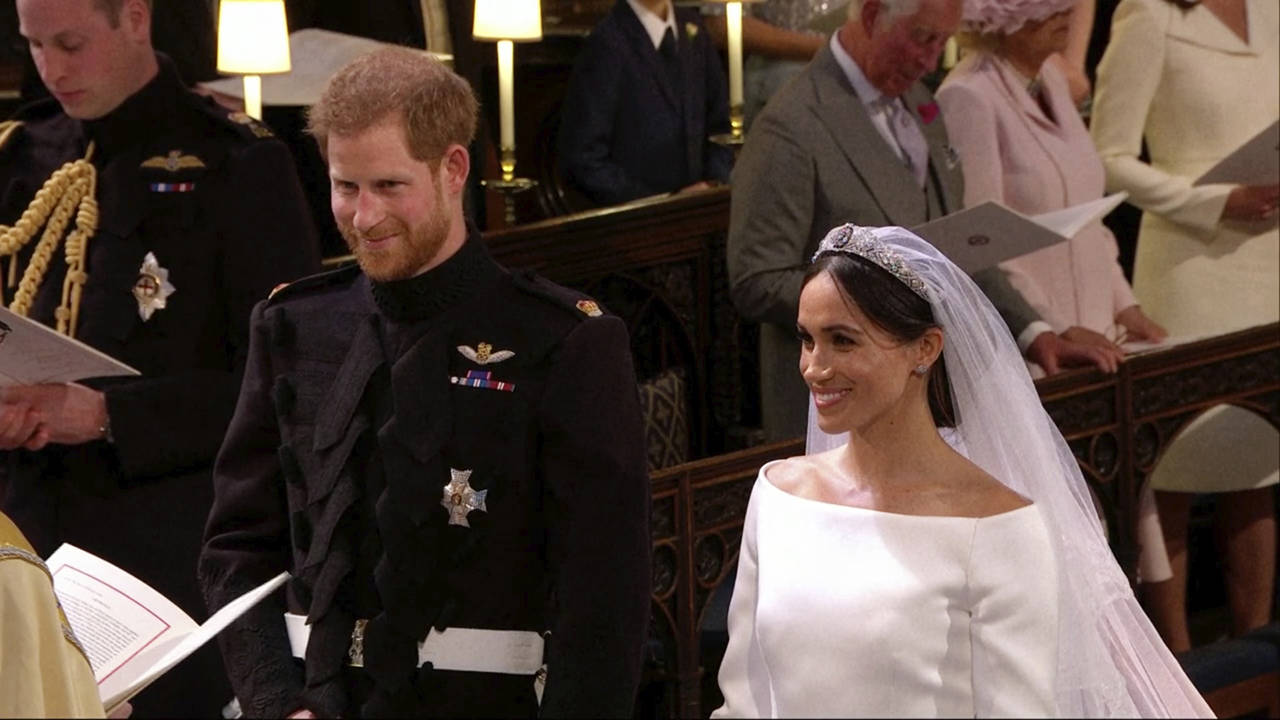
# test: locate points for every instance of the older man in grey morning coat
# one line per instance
(855, 137)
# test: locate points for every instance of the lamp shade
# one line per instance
(253, 37)
(508, 20)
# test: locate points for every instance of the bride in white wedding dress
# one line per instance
(892, 572)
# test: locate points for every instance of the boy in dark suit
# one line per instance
(646, 94)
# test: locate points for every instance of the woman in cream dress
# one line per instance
(892, 572)
(1197, 80)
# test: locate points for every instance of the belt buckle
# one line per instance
(355, 654)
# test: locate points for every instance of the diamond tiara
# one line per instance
(856, 240)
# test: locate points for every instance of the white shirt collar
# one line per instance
(869, 94)
(654, 25)
(880, 107)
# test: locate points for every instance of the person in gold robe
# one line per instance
(43, 670)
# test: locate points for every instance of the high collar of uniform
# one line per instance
(137, 118)
(425, 296)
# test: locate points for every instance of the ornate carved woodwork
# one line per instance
(1117, 426)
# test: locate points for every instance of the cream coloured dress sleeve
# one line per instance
(1013, 585)
(1129, 76)
(744, 677)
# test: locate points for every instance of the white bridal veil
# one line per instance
(1111, 661)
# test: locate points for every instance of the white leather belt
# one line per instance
(512, 652)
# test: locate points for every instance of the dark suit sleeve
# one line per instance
(719, 158)
(770, 215)
(247, 542)
(1013, 308)
(597, 506)
(167, 423)
(592, 101)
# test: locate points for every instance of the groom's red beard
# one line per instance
(399, 257)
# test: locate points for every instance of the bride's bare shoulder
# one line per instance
(797, 474)
(983, 495)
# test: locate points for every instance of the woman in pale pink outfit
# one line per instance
(1022, 143)
(1016, 128)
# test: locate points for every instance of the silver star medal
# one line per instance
(152, 287)
(460, 498)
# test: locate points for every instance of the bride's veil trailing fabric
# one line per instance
(1111, 662)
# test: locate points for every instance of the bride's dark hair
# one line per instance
(894, 308)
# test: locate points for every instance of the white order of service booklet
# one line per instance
(131, 633)
(32, 353)
(1256, 162)
(984, 235)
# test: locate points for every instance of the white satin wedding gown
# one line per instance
(848, 612)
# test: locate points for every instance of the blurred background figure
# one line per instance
(779, 38)
(1070, 60)
(1195, 81)
(646, 94)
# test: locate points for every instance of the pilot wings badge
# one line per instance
(483, 353)
(173, 162)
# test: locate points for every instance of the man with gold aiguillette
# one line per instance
(145, 221)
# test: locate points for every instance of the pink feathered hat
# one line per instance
(1004, 17)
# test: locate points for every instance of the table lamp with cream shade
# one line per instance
(253, 40)
(507, 21)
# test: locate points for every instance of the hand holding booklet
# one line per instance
(131, 633)
(984, 235)
(32, 353)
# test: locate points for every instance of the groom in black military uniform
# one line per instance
(447, 455)
(176, 218)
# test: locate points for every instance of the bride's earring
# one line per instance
(921, 369)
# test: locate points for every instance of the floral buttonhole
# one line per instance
(927, 111)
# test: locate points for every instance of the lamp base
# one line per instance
(737, 130)
(730, 140)
(509, 189)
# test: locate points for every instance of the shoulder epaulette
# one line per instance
(37, 110)
(579, 305)
(28, 114)
(311, 283)
(237, 122)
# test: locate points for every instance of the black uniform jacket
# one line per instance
(360, 402)
(217, 202)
